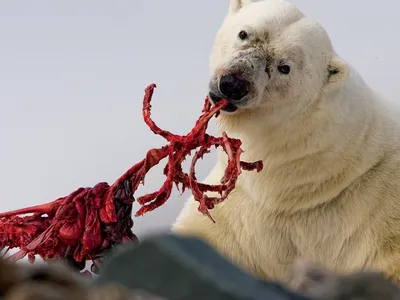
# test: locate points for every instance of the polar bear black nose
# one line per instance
(233, 87)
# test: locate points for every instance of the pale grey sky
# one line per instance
(72, 75)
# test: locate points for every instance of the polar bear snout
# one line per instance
(233, 87)
(240, 80)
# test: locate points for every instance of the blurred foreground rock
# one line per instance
(164, 267)
(184, 268)
(168, 267)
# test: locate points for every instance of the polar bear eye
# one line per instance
(243, 35)
(284, 69)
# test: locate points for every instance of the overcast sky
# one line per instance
(72, 75)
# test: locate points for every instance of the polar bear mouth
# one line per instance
(229, 108)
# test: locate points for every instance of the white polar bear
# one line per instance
(330, 145)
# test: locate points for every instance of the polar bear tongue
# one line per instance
(229, 108)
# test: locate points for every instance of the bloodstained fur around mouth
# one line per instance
(82, 225)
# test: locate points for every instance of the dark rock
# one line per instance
(185, 268)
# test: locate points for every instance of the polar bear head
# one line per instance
(269, 57)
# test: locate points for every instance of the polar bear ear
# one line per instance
(338, 72)
(236, 5)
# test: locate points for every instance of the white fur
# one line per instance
(330, 187)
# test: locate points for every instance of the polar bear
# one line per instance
(330, 187)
